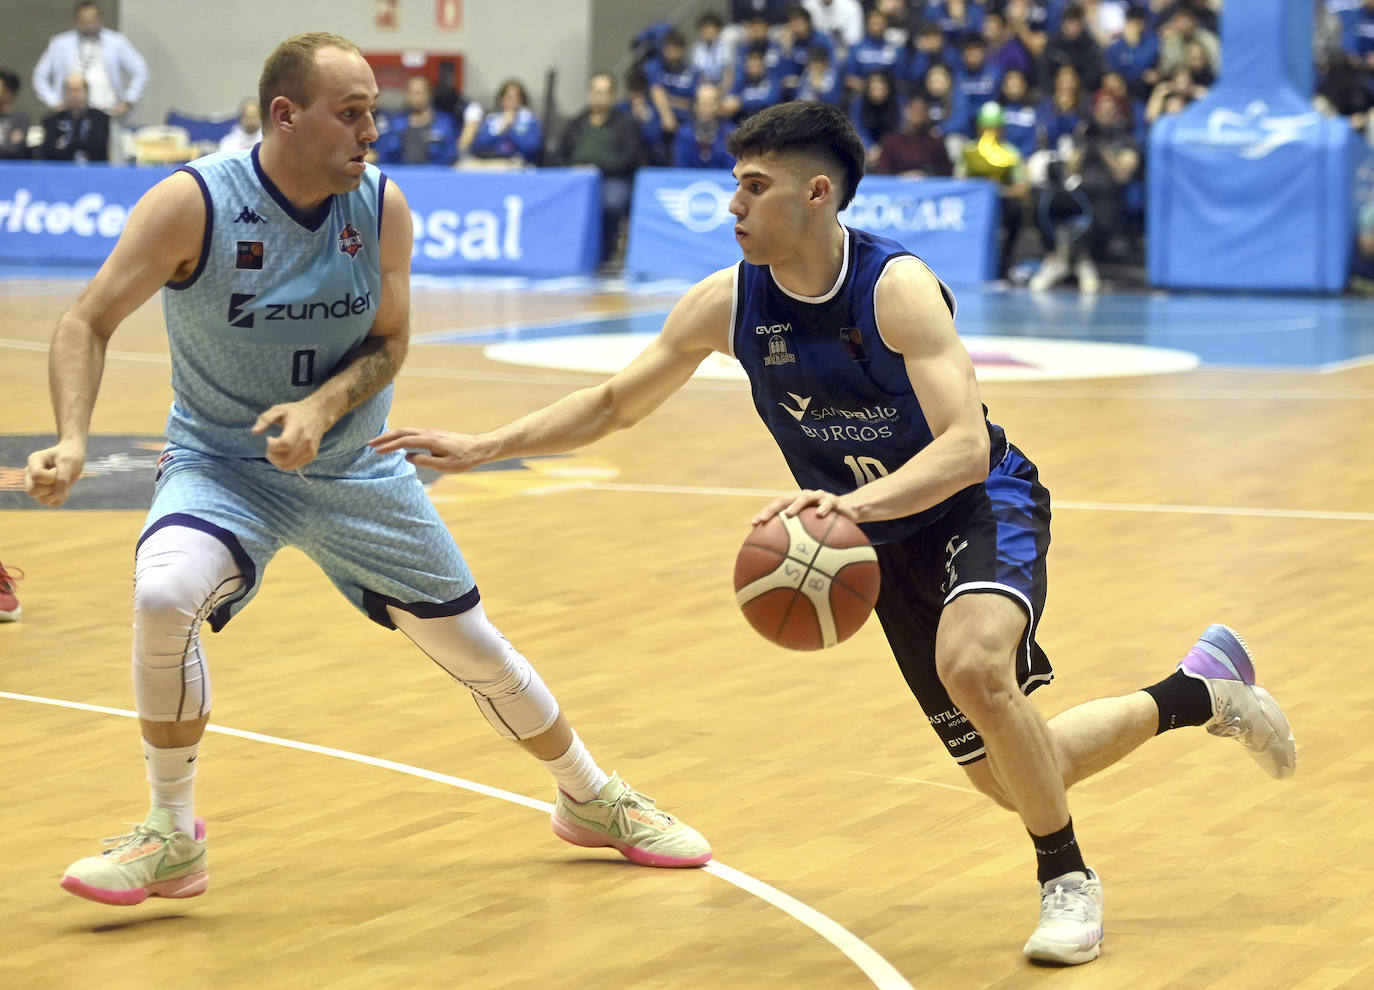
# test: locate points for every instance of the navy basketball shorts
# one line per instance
(992, 539)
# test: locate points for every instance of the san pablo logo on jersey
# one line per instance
(350, 241)
(249, 215)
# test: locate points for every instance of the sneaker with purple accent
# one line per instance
(1241, 710)
(630, 823)
(154, 860)
(1070, 929)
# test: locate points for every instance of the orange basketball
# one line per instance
(807, 582)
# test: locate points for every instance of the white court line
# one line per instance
(879, 971)
(913, 780)
(1009, 390)
(1193, 510)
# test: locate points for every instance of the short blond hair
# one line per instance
(290, 70)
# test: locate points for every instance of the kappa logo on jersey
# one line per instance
(249, 215)
(350, 241)
(853, 343)
(802, 402)
(239, 316)
(249, 256)
(778, 352)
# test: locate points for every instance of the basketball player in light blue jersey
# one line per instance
(285, 278)
(849, 344)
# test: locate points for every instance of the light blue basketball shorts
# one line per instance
(364, 518)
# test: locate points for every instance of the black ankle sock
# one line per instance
(1182, 700)
(1057, 853)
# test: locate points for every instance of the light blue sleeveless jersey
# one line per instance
(277, 302)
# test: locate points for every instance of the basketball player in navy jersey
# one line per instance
(850, 348)
(285, 279)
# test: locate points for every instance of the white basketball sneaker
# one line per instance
(1240, 710)
(1070, 929)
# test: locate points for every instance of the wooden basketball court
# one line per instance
(850, 852)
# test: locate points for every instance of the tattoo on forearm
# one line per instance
(374, 365)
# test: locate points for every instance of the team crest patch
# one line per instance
(853, 343)
(249, 256)
(778, 352)
(350, 241)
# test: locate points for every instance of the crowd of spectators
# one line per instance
(1052, 99)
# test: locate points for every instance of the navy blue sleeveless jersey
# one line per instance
(836, 398)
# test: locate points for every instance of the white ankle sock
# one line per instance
(172, 783)
(577, 773)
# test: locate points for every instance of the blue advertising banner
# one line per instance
(681, 226)
(544, 223)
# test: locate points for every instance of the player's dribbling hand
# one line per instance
(450, 453)
(50, 473)
(299, 440)
(790, 505)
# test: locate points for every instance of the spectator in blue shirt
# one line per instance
(755, 88)
(672, 82)
(872, 54)
(711, 55)
(640, 108)
(876, 112)
(1020, 122)
(1135, 55)
(1063, 111)
(957, 19)
(700, 141)
(419, 135)
(938, 89)
(795, 42)
(927, 48)
(1005, 50)
(975, 83)
(821, 82)
(512, 131)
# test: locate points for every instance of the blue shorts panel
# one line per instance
(993, 539)
(364, 519)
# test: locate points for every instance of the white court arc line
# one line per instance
(879, 971)
(1192, 510)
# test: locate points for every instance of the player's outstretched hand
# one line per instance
(790, 505)
(50, 473)
(450, 453)
(302, 428)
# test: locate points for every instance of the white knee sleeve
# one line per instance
(507, 689)
(180, 576)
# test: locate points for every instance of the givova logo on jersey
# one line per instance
(347, 305)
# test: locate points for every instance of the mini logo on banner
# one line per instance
(700, 206)
(350, 241)
(249, 256)
(248, 215)
(853, 343)
(1253, 132)
(778, 352)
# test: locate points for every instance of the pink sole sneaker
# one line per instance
(579, 836)
(190, 885)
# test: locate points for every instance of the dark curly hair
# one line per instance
(811, 128)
